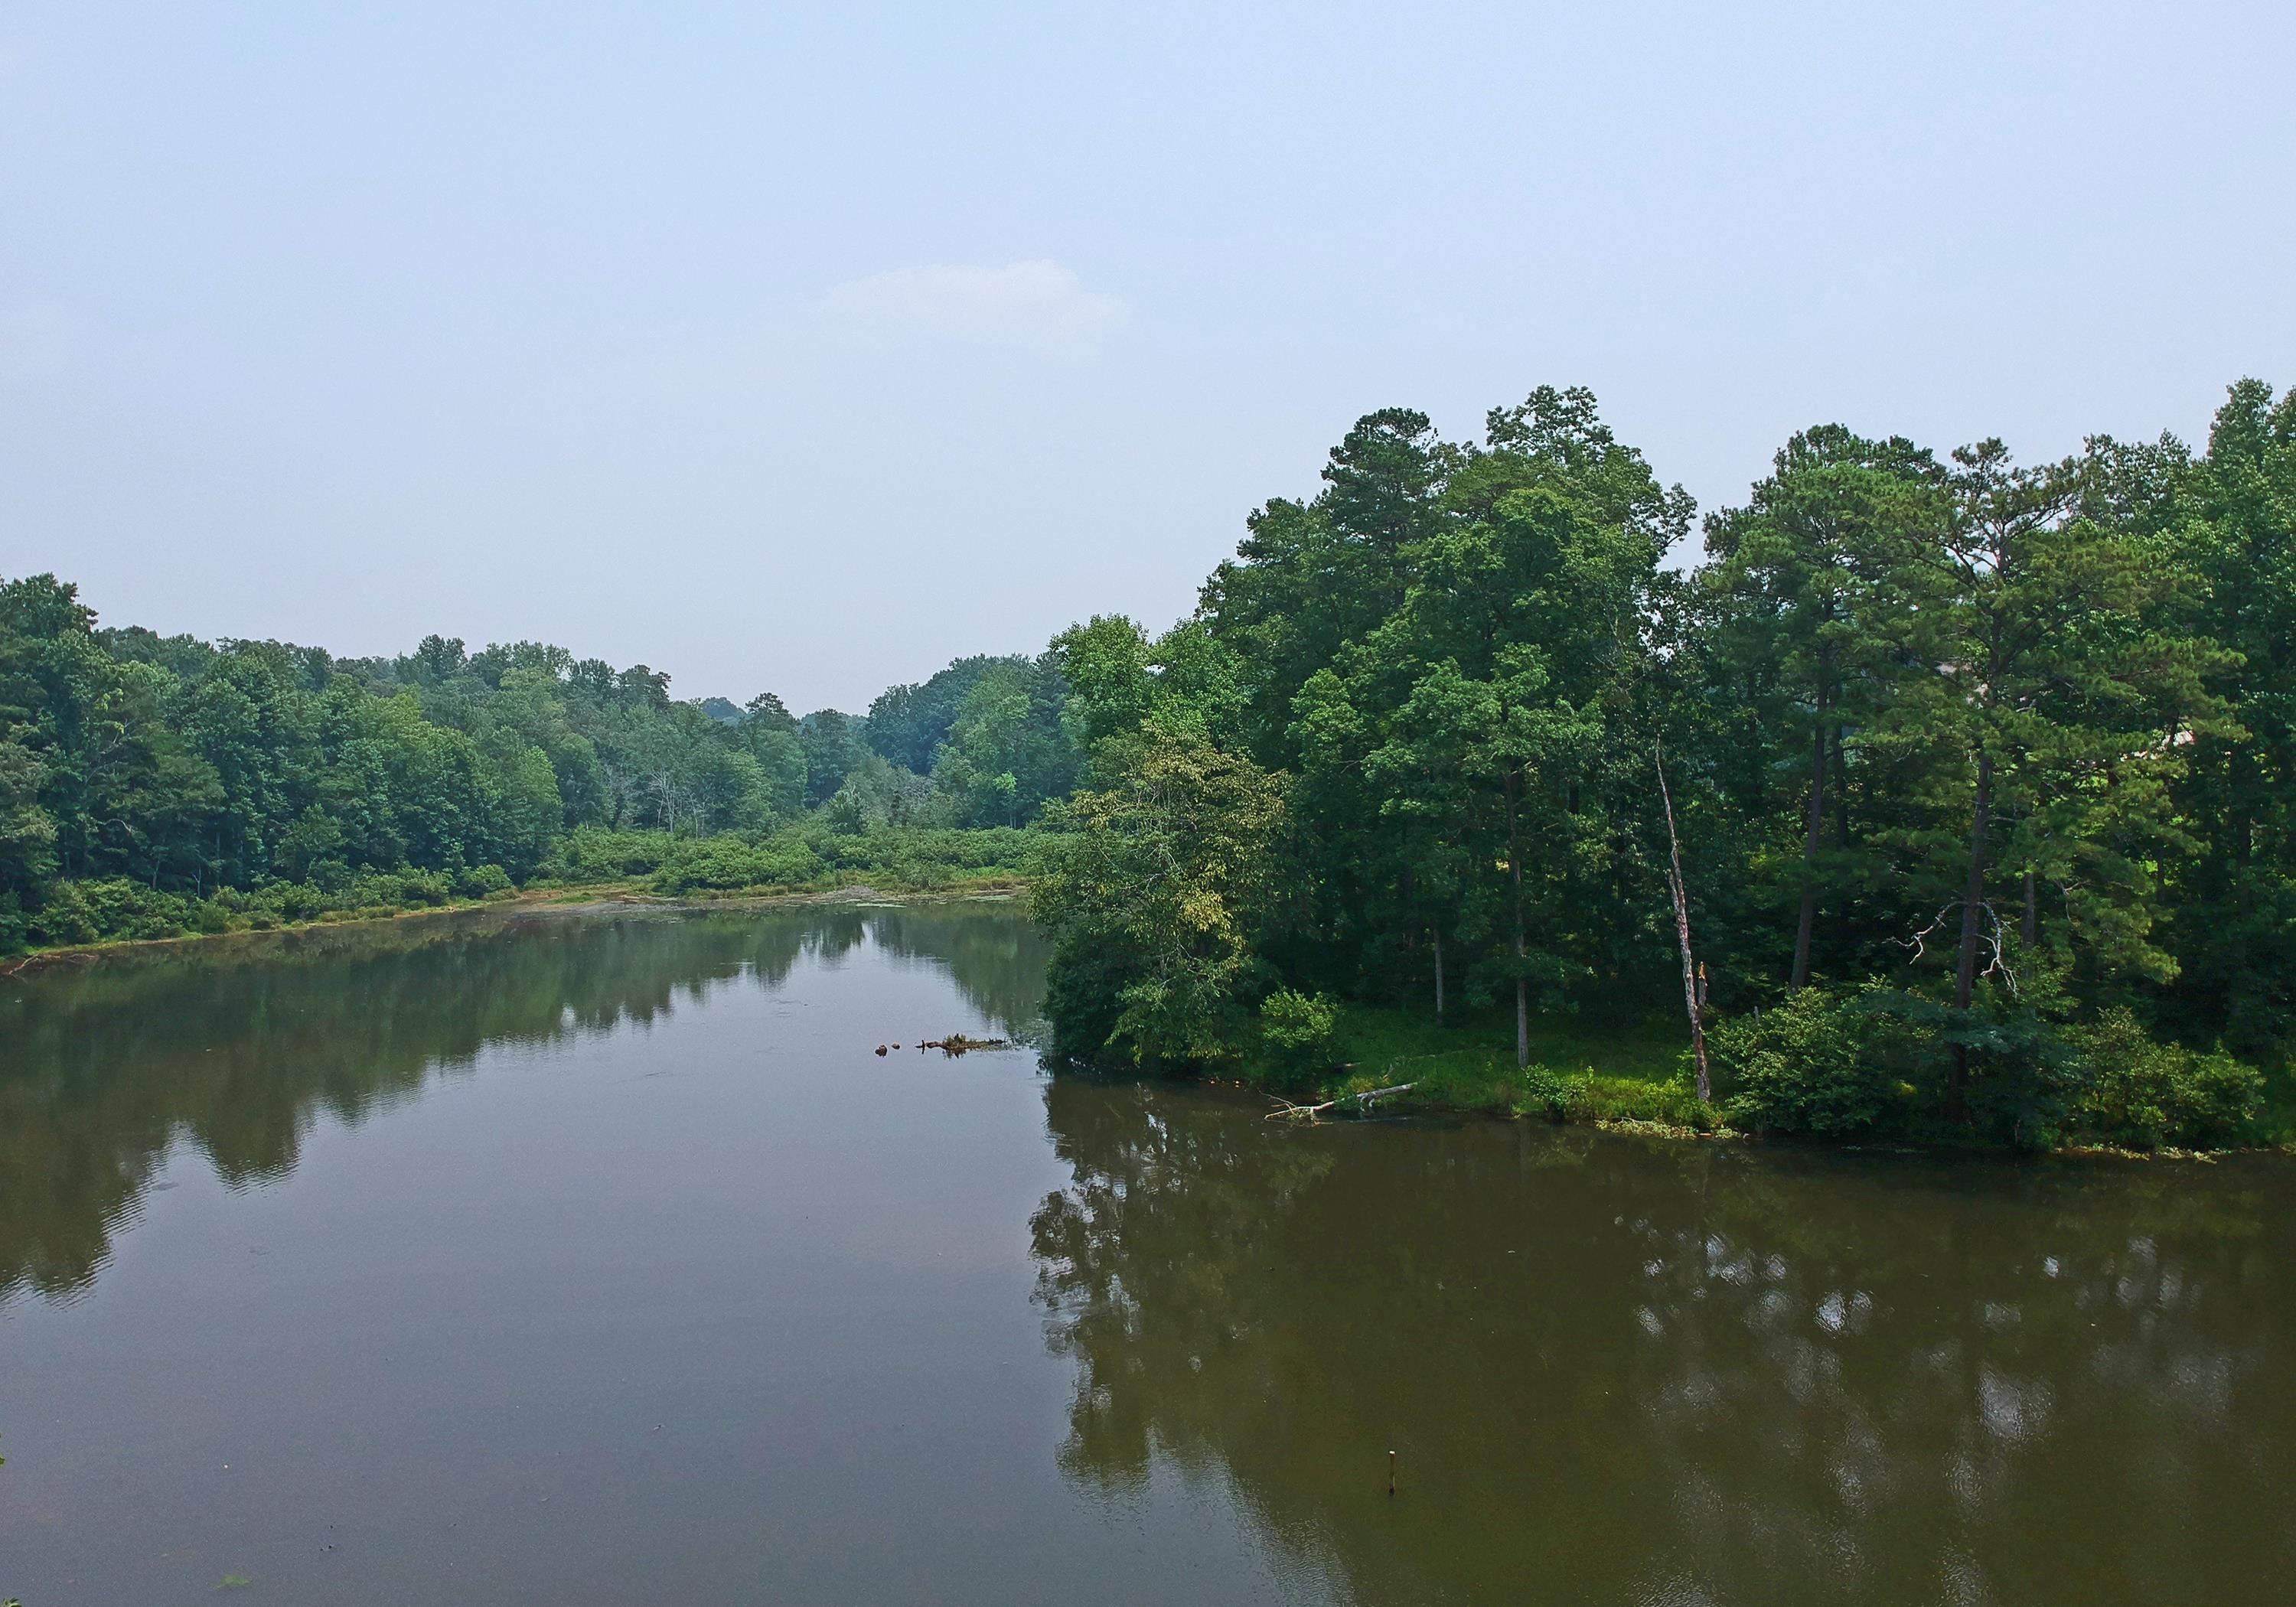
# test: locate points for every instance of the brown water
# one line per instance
(572, 1260)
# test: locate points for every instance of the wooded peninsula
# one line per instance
(1945, 799)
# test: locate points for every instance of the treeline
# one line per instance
(1982, 773)
(151, 785)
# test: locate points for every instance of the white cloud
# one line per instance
(1036, 301)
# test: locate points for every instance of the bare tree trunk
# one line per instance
(1435, 935)
(1972, 900)
(1514, 870)
(1801, 978)
(1690, 987)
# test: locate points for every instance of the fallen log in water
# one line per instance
(956, 1043)
(1363, 1102)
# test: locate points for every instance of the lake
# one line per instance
(600, 1258)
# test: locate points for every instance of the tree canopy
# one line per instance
(1991, 760)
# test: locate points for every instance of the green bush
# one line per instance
(2142, 1095)
(394, 890)
(589, 854)
(90, 911)
(915, 849)
(1299, 1021)
(286, 901)
(1590, 1096)
(1825, 1064)
(727, 863)
(483, 881)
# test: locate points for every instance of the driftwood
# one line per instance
(1363, 1102)
(956, 1043)
(41, 962)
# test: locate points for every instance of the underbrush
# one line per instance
(1871, 1064)
(1848, 1067)
(116, 910)
(809, 857)
(804, 858)
(1581, 1069)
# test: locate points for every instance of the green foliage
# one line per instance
(875, 795)
(588, 855)
(87, 912)
(2014, 742)
(1825, 1064)
(732, 863)
(907, 724)
(483, 882)
(926, 858)
(1301, 1028)
(2143, 1094)
(155, 786)
(1161, 886)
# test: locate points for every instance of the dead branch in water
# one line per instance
(42, 962)
(1363, 1102)
(956, 1043)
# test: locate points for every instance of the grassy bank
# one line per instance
(1633, 1074)
(80, 917)
(1581, 1068)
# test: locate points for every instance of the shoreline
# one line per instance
(1625, 1098)
(594, 899)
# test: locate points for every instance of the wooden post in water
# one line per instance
(1390, 1472)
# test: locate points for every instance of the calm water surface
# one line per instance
(600, 1259)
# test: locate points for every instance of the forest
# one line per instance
(152, 785)
(1941, 795)
(1978, 776)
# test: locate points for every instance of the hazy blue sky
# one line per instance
(804, 347)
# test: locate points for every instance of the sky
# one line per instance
(805, 348)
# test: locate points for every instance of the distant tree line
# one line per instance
(1983, 773)
(153, 784)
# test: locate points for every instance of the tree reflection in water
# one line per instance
(239, 1045)
(1619, 1370)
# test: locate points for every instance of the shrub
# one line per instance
(483, 881)
(1821, 1064)
(88, 911)
(2142, 1093)
(286, 901)
(1544, 1092)
(1300, 1028)
(395, 890)
(724, 863)
(1083, 989)
(594, 854)
(1590, 1096)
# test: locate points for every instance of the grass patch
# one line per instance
(1625, 1073)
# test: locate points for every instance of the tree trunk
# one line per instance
(1690, 987)
(1845, 916)
(1801, 978)
(1972, 900)
(1515, 871)
(1435, 936)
